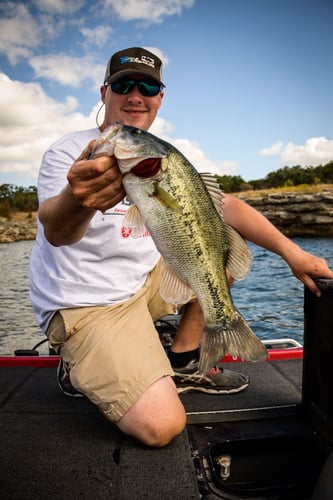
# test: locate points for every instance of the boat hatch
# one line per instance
(283, 456)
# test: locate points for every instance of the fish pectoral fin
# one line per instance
(133, 220)
(172, 289)
(239, 259)
(164, 197)
(236, 339)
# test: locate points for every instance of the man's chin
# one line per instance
(136, 121)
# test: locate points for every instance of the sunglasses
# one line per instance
(147, 88)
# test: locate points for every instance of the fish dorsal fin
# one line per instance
(239, 258)
(172, 288)
(214, 190)
(133, 220)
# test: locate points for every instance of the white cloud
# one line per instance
(23, 32)
(30, 121)
(192, 150)
(159, 54)
(19, 32)
(68, 70)
(97, 36)
(59, 6)
(148, 10)
(274, 149)
(316, 151)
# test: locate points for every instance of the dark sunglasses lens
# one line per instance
(123, 86)
(148, 89)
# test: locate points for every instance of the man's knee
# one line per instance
(158, 415)
(160, 434)
(156, 433)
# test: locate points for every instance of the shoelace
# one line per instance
(66, 372)
(196, 377)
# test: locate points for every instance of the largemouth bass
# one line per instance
(183, 212)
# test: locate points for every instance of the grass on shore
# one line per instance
(301, 189)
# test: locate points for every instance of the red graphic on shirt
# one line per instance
(126, 232)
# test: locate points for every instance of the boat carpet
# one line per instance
(275, 389)
(58, 447)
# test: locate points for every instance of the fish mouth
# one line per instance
(149, 167)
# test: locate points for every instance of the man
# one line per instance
(95, 291)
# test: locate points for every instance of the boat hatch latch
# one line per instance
(224, 461)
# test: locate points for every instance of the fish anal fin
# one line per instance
(133, 220)
(172, 289)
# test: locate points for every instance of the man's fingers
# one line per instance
(85, 154)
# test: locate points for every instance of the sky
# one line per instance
(248, 82)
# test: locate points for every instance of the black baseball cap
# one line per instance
(133, 60)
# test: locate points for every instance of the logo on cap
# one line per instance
(139, 60)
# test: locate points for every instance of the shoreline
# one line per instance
(20, 226)
(299, 211)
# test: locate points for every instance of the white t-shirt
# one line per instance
(105, 267)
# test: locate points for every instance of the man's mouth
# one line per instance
(134, 110)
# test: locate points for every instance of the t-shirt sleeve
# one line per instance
(57, 161)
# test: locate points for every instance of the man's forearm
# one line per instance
(64, 218)
(253, 226)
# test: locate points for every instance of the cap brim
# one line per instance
(126, 72)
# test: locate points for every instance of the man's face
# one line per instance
(130, 109)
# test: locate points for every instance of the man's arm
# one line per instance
(253, 226)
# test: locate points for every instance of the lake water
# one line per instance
(270, 298)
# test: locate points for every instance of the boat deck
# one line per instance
(55, 447)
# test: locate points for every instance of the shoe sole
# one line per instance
(76, 395)
(188, 388)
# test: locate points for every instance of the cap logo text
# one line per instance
(139, 60)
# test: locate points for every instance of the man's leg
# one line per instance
(116, 359)
(184, 356)
(190, 329)
(184, 352)
(157, 416)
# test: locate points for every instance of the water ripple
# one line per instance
(270, 298)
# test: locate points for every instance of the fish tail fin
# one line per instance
(236, 339)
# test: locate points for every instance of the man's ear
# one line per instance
(103, 90)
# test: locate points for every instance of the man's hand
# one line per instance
(92, 185)
(96, 183)
(306, 266)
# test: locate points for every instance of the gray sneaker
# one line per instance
(216, 381)
(64, 380)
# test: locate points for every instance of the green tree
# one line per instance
(19, 198)
(230, 183)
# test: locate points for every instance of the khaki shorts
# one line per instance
(114, 352)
